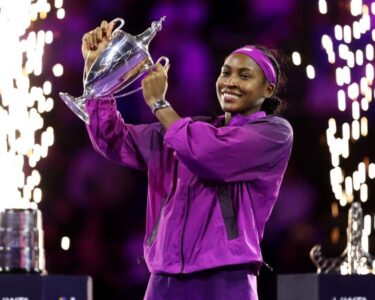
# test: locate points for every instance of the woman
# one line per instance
(211, 185)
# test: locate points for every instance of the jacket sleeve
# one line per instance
(230, 153)
(129, 145)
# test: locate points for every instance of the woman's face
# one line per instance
(241, 85)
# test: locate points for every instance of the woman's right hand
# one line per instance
(95, 41)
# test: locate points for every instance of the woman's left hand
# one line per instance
(155, 84)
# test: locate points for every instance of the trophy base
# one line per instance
(45, 287)
(311, 286)
(76, 105)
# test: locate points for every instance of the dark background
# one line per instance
(100, 206)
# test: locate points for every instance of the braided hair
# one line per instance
(273, 104)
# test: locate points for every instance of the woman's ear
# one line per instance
(270, 90)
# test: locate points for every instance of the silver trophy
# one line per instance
(354, 259)
(21, 241)
(125, 59)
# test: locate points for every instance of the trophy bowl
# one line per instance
(123, 61)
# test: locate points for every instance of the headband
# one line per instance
(261, 59)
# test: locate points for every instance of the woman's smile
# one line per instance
(230, 96)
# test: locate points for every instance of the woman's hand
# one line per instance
(155, 84)
(95, 41)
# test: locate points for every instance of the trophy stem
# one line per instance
(77, 105)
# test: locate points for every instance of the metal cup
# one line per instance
(21, 241)
(125, 59)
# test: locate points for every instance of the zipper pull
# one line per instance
(267, 266)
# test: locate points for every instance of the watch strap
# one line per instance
(159, 104)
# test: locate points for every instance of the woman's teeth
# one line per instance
(230, 96)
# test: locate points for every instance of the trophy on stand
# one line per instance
(21, 241)
(125, 59)
(354, 259)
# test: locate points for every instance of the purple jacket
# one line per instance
(210, 188)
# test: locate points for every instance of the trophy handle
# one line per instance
(161, 58)
(122, 23)
(166, 60)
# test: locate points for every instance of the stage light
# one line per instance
(367, 225)
(356, 7)
(371, 171)
(364, 126)
(369, 52)
(350, 59)
(362, 172)
(356, 181)
(65, 243)
(346, 74)
(58, 3)
(355, 130)
(341, 100)
(356, 30)
(348, 186)
(49, 37)
(345, 150)
(23, 138)
(296, 58)
(347, 34)
(58, 70)
(359, 57)
(323, 7)
(343, 51)
(339, 76)
(368, 94)
(338, 32)
(310, 71)
(355, 110)
(353, 91)
(346, 131)
(364, 104)
(334, 210)
(60, 13)
(370, 72)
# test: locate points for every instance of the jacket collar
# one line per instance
(240, 120)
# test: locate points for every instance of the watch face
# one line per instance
(162, 103)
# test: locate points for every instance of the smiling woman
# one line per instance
(211, 184)
(249, 82)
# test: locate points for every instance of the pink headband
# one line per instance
(261, 59)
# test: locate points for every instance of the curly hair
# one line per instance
(273, 104)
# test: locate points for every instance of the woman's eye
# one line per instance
(224, 73)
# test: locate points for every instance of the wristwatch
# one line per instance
(159, 104)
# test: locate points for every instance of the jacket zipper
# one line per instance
(183, 232)
(267, 266)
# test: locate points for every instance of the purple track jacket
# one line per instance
(211, 188)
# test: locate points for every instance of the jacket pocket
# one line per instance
(228, 212)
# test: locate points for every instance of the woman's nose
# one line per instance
(230, 81)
